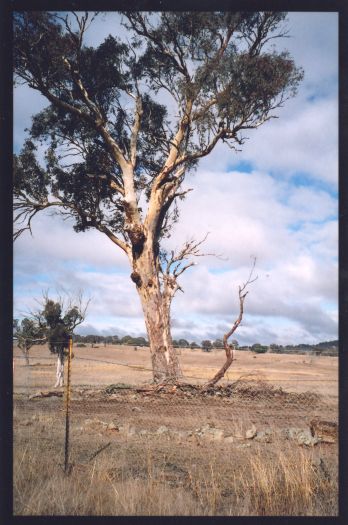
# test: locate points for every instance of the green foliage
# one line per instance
(206, 345)
(275, 349)
(58, 325)
(134, 341)
(27, 333)
(218, 343)
(53, 324)
(213, 60)
(139, 341)
(259, 349)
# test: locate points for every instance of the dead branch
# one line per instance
(229, 349)
(99, 451)
(191, 248)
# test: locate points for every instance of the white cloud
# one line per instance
(250, 214)
(291, 228)
(54, 241)
(26, 102)
(306, 141)
(317, 55)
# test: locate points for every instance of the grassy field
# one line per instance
(99, 366)
(175, 453)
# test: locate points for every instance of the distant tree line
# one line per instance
(96, 340)
(322, 348)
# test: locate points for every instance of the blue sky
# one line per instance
(276, 200)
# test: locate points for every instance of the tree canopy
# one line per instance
(58, 325)
(128, 119)
(206, 345)
(220, 83)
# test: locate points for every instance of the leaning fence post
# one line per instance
(67, 408)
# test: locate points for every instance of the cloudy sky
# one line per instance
(277, 200)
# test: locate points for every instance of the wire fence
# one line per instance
(108, 412)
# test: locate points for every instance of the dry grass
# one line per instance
(293, 485)
(161, 477)
(101, 366)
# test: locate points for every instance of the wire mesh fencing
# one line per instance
(132, 431)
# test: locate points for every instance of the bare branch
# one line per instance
(123, 245)
(113, 183)
(139, 25)
(204, 152)
(229, 349)
(136, 129)
(27, 211)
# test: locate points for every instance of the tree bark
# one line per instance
(165, 364)
(60, 371)
(156, 309)
(25, 352)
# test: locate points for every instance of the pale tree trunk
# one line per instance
(25, 352)
(165, 364)
(60, 370)
(156, 308)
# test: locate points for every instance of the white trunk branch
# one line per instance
(60, 371)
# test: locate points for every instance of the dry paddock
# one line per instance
(136, 452)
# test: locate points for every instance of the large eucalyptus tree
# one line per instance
(110, 142)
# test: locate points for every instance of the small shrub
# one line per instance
(259, 349)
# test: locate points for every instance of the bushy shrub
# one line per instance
(259, 349)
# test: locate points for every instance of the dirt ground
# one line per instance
(175, 451)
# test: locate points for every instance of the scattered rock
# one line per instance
(136, 409)
(320, 466)
(162, 430)
(209, 432)
(181, 434)
(238, 436)
(265, 436)
(301, 436)
(229, 439)
(243, 445)
(251, 432)
(130, 431)
(325, 431)
(215, 434)
(316, 462)
(206, 428)
(95, 424)
(112, 427)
